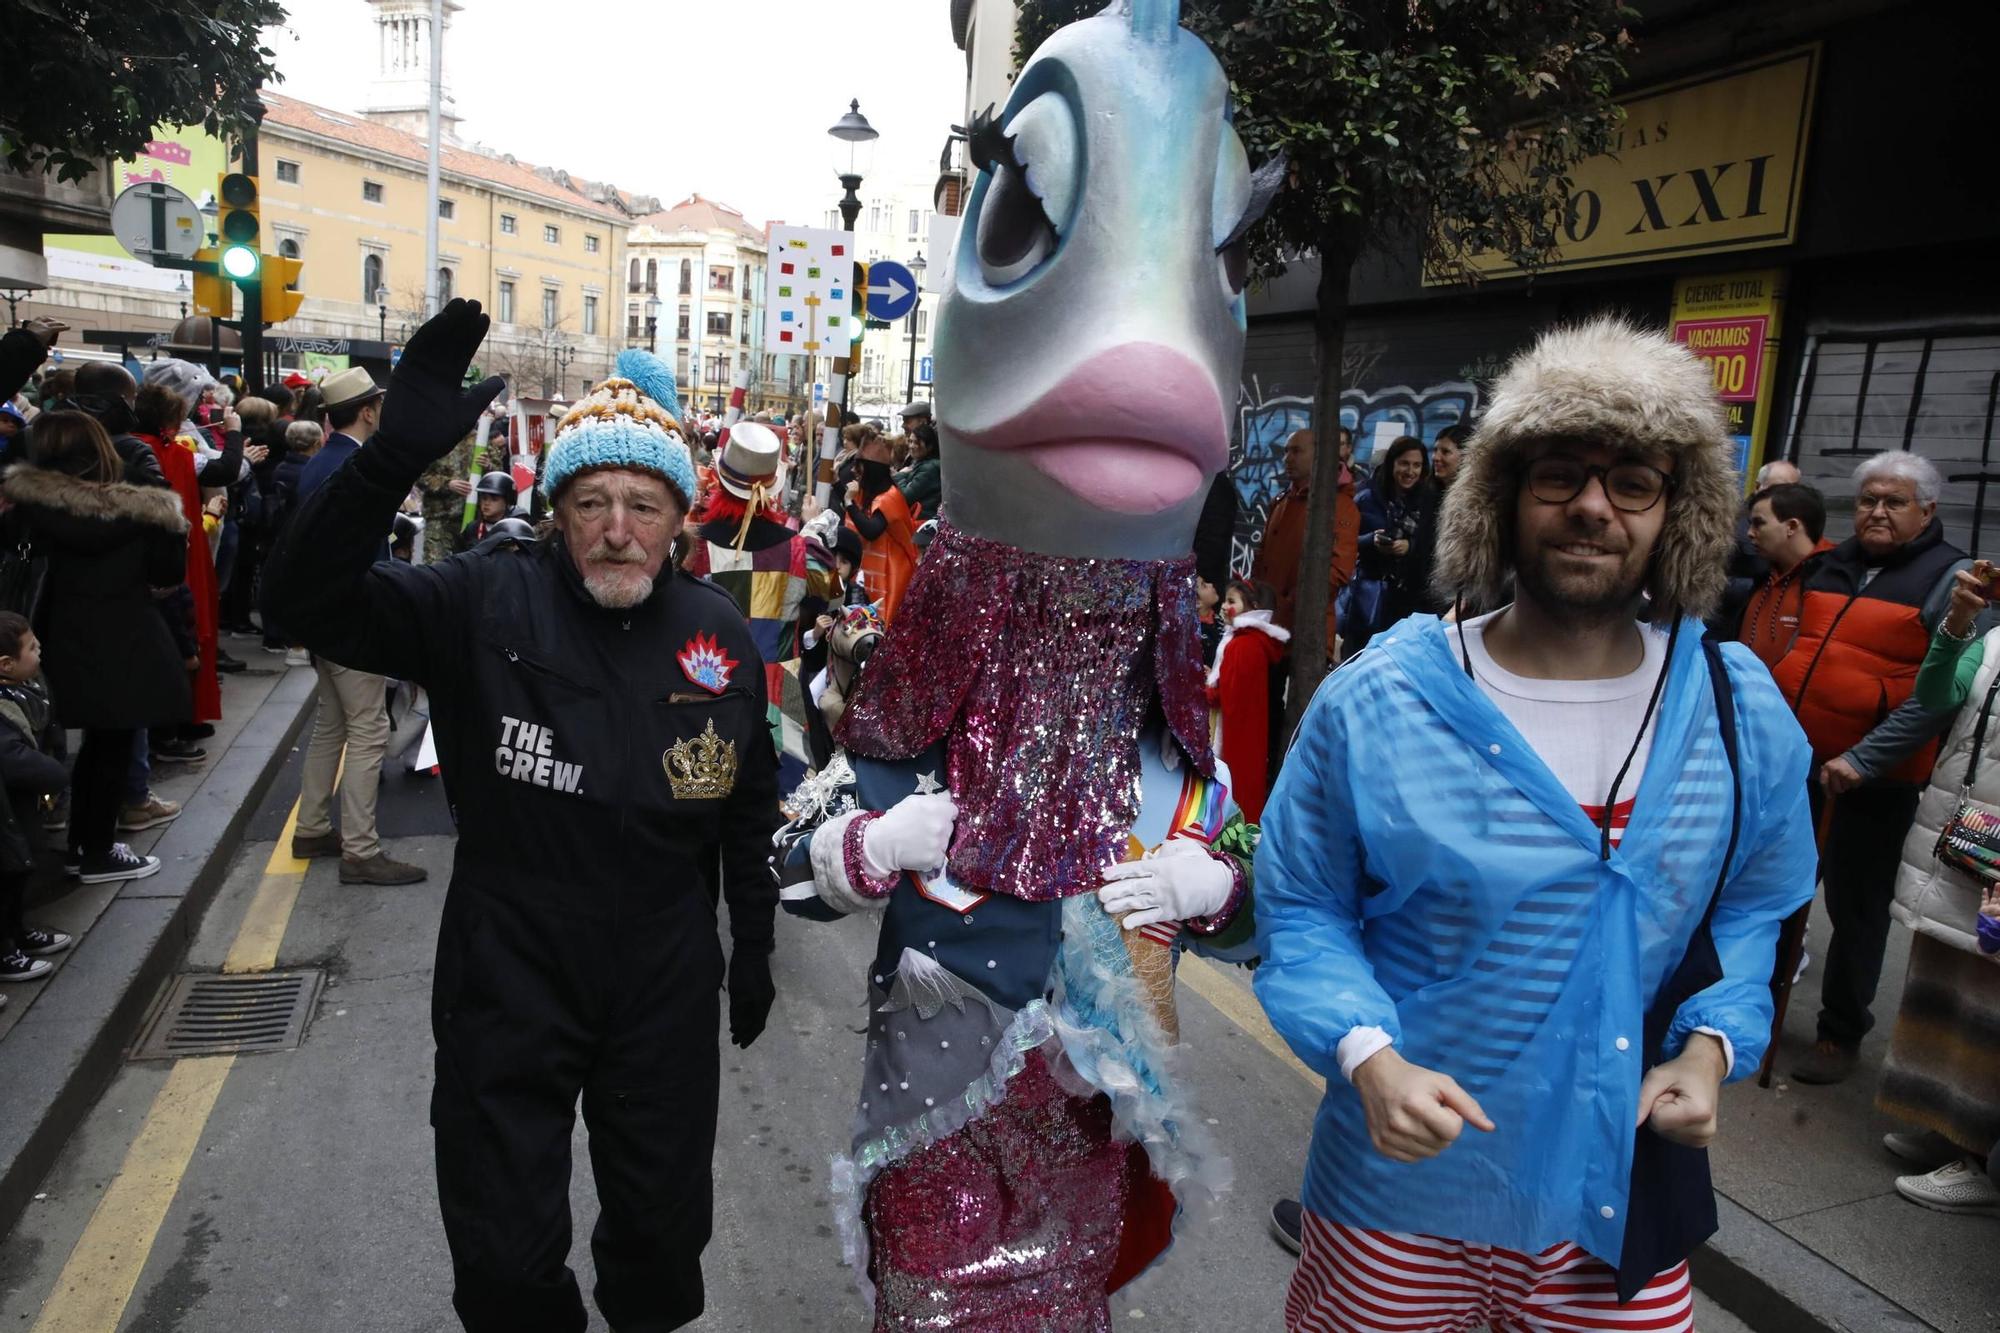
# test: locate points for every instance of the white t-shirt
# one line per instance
(1581, 729)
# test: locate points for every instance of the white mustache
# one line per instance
(603, 553)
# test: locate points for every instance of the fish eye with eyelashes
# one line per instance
(1034, 164)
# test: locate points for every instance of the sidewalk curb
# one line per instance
(1775, 1284)
(67, 1048)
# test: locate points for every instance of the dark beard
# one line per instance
(1577, 603)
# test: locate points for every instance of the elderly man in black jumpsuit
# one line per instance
(600, 717)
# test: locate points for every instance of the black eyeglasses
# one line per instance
(1631, 487)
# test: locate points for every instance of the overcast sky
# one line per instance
(728, 97)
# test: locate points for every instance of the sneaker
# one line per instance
(298, 657)
(56, 817)
(17, 966)
(1958, 1187)
(38, 943)
(121, 862)
(72, 863)
(1924, 1147)
(228, 665)
(1287, 1222)
(1827, 1063)
(309, 846)
(149, 813)
(276, 649)
(379, 869)
(1805, 961)
(176, 751)
(199, 731)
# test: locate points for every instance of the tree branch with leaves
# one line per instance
(1450, 126)
(89, 80)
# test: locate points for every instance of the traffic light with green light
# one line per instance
(237, 228)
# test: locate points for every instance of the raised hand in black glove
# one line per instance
(751, 993)
(428, 409)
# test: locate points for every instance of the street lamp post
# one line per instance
(917, 267)
(564, 356)
(653, 324)
(853, 130)
(382, 320)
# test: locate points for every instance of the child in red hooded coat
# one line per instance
(1239, 685)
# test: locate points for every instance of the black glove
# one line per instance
(428, 410)
(751, 992)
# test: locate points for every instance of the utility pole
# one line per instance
(252, 325)
(431, 163)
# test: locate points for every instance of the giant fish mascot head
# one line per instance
(1089, 337)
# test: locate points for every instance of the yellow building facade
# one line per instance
(543, 253)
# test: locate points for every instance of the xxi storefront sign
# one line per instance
(1704, 166)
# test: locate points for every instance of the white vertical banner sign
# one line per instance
(808, 273)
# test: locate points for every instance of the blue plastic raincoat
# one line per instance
(1423, 871)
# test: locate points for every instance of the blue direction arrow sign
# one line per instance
(923, 370)
(892, 289)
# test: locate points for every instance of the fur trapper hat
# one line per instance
(1607, 381)
(627, 421)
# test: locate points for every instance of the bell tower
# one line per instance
(400, 95)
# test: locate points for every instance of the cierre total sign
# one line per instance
(1703, 166)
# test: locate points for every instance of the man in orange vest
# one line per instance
(1871, 605)
(1787, 528)
(1277, 561)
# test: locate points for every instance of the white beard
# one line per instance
(618, 591)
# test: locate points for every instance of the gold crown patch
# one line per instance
(702, 768)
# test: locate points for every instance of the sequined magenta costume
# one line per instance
(1024, 1143)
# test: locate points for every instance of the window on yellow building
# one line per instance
(590, 243)
(371, 192)
(372, 290)
(288, 172)
(589, 316)
(506, 303)
(551, 234)
(507, 226)
(447, 208)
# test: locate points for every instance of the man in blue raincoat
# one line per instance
(1521, 879)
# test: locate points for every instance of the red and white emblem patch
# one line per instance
(705, 664)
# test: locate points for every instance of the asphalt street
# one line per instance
(293, 1192)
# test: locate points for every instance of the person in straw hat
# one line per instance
(741, 542)
(600, 719)
(1523, 875)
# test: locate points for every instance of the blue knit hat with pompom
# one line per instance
(630, 420)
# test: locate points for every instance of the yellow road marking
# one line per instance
(98, 1278)
(1240, 1007)
(255, 948)
(97, 1282)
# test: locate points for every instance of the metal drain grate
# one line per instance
(220, 1015)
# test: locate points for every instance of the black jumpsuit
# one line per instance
(578, 952)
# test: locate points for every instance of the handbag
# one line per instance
(1970, 840)
(24, 577)
(1359, 604)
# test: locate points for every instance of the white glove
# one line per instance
(1177, 882)
(913, 834)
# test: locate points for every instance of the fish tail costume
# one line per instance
(1024, 1143)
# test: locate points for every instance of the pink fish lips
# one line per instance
(1133, 430)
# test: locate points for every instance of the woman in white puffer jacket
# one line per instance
(1943, 1070)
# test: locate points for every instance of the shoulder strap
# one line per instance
(1979, 729)
(1725, 716)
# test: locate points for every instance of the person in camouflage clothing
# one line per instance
(445, 485)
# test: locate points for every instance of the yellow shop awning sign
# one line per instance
(1704, 166)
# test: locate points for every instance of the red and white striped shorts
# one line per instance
(1354, 1281)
